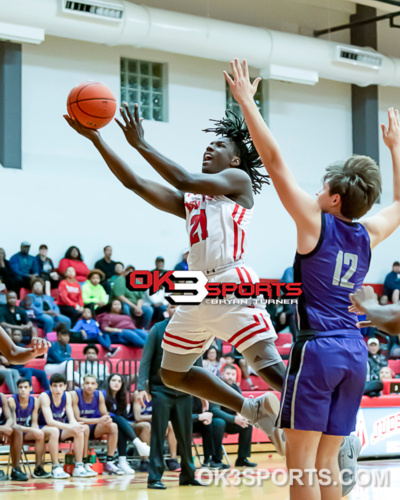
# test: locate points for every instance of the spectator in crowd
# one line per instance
(132, 301)
(24, 410)
(70, 298)
(183, 264)
(234, 424)
(92, 366)
(386, 373)
(9, 375)
(43, 266)
(13, 317)
(212, 361)
(90, 409)
(209, 428)
(245, 368)
(46, 310)
(120, 326)
(394, 346)
(93, 293)
(28, 373)
(3, 292)
(107, 265)
(160, 265)
(6, 273)
(141, 418)
(116, 402)
(26, 304)
(56, 411)
(89, 331)
(376, 361)
(287, 276)
(158, 303)
(168, 404)
(231, 360)
(391, 285)
(73, 258)
(22, 265)
(283, 316)
(14, 439)
(59, 358)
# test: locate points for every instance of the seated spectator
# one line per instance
(22, 265)
(210, 430)
(3, 292)
(394, 346)
(211, 361)
(59, 359)
(56, 411)
(283, 316)
(132, 301)
(73, 258)
(183, 265)
(92, 366)
(8, 374)
(287, 276)
(230, 360)
(93, 293)
(160, 265)
(120, 327)
(46, 310)
(116, 402)
(245, 368)
(7, 432)
(24, 410)
(386, 373)
(391, 285)
(13, 317)
(158, 302)
(7, 275)
(376, 361)
(107, 265)
(43, 266)
(26, 304)
(89, 331)
(70, 298)
(141, 418)
(90, 409)
(234, 424)
(28, 373)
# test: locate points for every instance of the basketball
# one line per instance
(92, 103)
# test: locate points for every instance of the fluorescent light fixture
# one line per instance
(22, 34)
(289, 74)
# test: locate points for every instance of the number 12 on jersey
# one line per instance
(348, 259)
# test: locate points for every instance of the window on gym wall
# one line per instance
(145, 83)
(233, 106)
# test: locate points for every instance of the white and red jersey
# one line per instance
(217, 229)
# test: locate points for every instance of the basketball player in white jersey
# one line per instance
(217, 205)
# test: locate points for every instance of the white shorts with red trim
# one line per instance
(193, 328)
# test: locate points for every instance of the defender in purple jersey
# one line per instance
(326, 372)
(89, 408)
(24, 410)
(56, 411)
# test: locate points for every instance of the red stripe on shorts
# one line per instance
(250, 335)
(243, 330)
(181, 346)
(186, 341)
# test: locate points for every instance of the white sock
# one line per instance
(122, 460)
(248, 410)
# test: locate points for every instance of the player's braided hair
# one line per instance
(233, 126)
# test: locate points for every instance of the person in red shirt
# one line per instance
(70, 298)
(73, 258)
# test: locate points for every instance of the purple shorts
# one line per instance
(324, 383)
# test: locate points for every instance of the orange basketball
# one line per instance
(92, 104)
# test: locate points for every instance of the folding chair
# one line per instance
(199, 455)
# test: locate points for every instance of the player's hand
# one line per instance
(6, 429)
(241, 421)
(89, 133)
(105, 419)
(39, 346)
(133, 128)
(206, 417)
(362, 299)
(78, 428)
(391, 137)
(37, 433)
(141, 397)
(241, 87)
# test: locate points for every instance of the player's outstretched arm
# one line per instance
(227, 182)
(300, 205)
(19, 355)
(385, 318)
(156, 194)
(382, 225)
